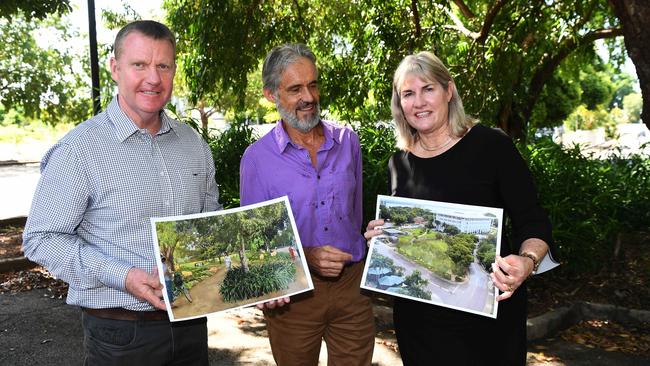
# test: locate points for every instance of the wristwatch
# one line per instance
(534, 258)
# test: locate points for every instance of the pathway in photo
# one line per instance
(474, 294)
(207, 299)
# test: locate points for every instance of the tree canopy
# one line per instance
(502, 53)
(38, 9)
(37, 78)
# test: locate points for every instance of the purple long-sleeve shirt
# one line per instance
(326, 200)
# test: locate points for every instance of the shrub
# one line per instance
(260, 280)
(589, 201)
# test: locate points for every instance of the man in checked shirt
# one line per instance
(100, 184)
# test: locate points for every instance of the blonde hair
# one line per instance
(429, 68)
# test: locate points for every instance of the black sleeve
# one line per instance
(519, 194)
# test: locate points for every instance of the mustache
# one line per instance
(302, 105)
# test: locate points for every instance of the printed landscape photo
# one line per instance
(222, 260)
(435, 252)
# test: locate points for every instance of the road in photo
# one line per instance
(475, 293)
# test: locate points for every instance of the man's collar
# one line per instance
(125, 126)
(282, 138)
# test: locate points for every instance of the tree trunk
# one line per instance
(635, 20)
(204, 118)
(243, 260)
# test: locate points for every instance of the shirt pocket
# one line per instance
(342, 194)
(192, 189)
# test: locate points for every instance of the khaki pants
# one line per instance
(335, 311)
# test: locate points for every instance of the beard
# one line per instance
(304, 125)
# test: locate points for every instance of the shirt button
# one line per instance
(318, 176)
(322, 202)
(326, 228)
(166, 203)
(162, 174)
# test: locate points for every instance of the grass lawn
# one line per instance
(427, 252)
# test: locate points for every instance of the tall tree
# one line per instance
(635, 20)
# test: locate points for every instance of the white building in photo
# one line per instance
(466, 224)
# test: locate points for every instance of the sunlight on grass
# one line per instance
(33, 132)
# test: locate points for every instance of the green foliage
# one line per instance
(623, 85)
(377, 144)
(632, 105)
(243, 232)
(451, 229)
(199, 273)
(597, 88)
(431, 254)
(260, 280)
(38, 9)
(589, 201)
(560, 97)
(414, 286)
(227, 149)
(486, 253)
(15, 128)
(40, 80)
(583, 118)
(502, 54)
(404, 214)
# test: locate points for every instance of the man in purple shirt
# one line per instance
(318, 165)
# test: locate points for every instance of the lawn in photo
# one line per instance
(435, 252)
(222, 260)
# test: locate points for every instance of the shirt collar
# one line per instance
(125, 126)
(282, 138)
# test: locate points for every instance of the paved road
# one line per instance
(18, 184)
(473, 294)
(38, 330)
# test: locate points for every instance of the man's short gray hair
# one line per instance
(279, 58)
(149, 28)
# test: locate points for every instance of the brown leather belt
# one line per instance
(123, 314)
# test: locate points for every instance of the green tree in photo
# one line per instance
(486, 254)
(415, 286)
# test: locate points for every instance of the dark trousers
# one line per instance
(144, 342)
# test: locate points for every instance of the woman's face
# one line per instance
(425, 104)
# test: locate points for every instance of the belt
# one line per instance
(124, 314)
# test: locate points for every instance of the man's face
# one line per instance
(297, 97)
(144, 75)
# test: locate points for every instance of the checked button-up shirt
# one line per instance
(100, 184)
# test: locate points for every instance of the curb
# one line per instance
(18, 162)
(15, 264)
(549, 324)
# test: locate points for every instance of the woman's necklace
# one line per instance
(436, 148)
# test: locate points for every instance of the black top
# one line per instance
(484, 168)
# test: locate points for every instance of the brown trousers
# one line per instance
(335, 311)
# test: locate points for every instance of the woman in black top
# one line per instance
(446, 156)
